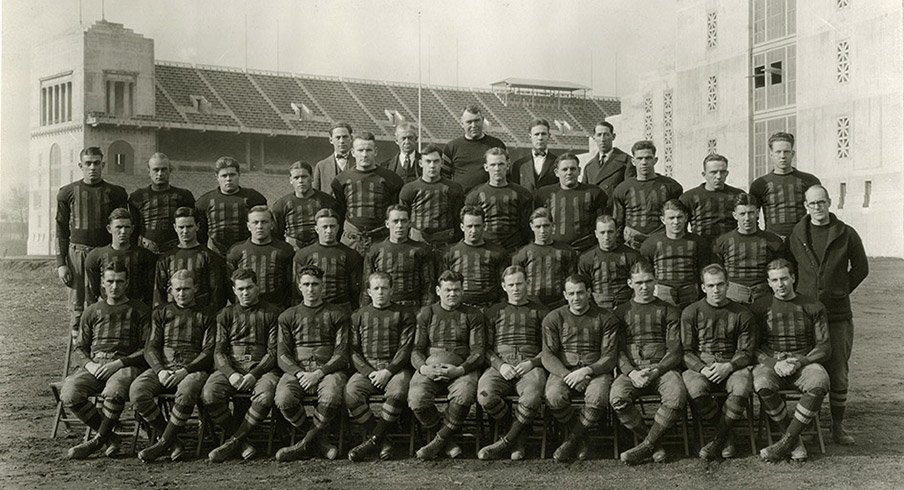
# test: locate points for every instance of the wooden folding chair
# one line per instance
(720, 399)
(681, 439)
(267, 425)
(539, 429)
(60, 414)
(605, 431)
(473, 428)
(813, 429)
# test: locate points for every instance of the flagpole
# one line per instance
(419, 124)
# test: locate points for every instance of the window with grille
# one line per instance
(712, 94)
(711, 146)
(648, 116)
(842, 192)
(711, 32)
(843, 61)
(867, 190)
(840, 4)
(843, 137)
(774, 78)
(667, 134)
(773, 19)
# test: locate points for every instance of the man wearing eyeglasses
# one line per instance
(831, 263)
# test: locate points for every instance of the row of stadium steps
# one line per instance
(264, 101)
(285, 91)
(164, 109)
(252, 109)
(375, 100)
(341, 106)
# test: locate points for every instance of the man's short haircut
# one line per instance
(781, 136)
(471, 210)
(777, 264)
(714, 157)
(401, 208)
(92, 151)
(326, 213)
(226, 162)
(160, 157)
(818, 186)
(117, 267)
(643, 145)
(432, 148)
(379, 275)
(605, 218)
(450, 276)
(260, 208)
(365, 136)
(119, 213)
(301, 165)
(243, 275)
(512, 270)
(408, 126)
(473, 109)
(713, 269)
(310, 270)
(745, 199)
(538, 122)
(567, 156)
(185, 212)
(607, 124)
(579, 279)
(183, 275)
(340, 124)
(496, 151)
(642, 267)
(675, 205)
(540, 213)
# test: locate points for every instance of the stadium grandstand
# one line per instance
(119, 97)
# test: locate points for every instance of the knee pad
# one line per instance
(818, 391)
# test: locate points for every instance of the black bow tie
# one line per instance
(342, 157)
(540, 154)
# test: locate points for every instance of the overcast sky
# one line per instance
(469, 43)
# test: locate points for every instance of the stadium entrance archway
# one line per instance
(120, 157)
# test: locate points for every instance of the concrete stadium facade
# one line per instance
(829, 71)
(102, 86)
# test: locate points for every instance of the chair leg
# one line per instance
(543, 431)
(58, 414)
(272, 430)
(750, 432)
(684, 434)
(819, 437)
(411, 432)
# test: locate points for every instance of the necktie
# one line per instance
(407, 162)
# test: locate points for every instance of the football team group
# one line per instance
(449, 276)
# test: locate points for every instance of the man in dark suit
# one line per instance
(610, 166)
(405, 164)
(327, 169)
(537, 169)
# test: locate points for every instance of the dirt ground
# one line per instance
(33, 338)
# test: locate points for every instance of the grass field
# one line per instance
(33, 339)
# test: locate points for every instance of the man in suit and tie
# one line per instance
(327, 169)
(405, 164)
(611, 165)
(537, 169)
